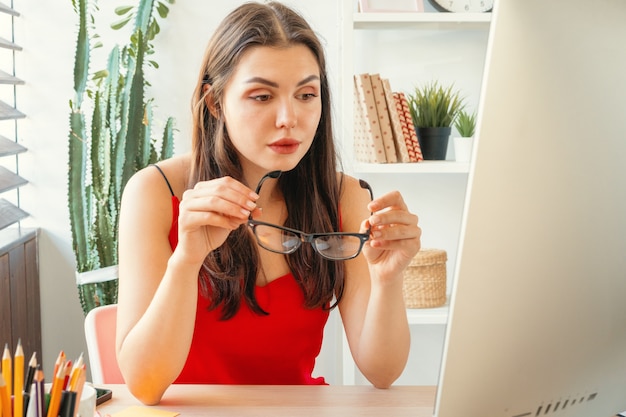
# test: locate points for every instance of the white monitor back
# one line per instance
(538, 311)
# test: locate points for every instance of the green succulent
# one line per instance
(465, 124)
(115, 141)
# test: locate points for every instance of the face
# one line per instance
(272, 107)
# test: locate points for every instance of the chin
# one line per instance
(284, 166)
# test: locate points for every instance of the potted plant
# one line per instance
(465, 124)
(110, 139)
(434, 109)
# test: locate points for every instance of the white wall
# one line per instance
(46, 30)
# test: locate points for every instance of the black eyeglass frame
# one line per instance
(308, 237)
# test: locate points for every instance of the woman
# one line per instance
(213, 288)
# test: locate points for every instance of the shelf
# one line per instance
(422, 167)
(9, 147)
(9, 113)
(421, 20)
(437, 315)
(6, 78)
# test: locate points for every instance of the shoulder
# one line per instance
(147, 198)
(150, 180)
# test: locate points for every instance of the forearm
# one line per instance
(155, 349)
(384, 343)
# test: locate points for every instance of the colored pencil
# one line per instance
(55, 392)
(40, 393)
(79, 384)
(67, 370)
(30, 374)
(76, 370)
(30, 407)
(68, 404)
(58, 363)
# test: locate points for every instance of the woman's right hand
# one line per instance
(209, 212)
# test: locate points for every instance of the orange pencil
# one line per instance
(5, 398)
(7, 368)
(18, 380)
(59, 363)
(55, 393)
(75, 372)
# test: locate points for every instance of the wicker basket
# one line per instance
(425, 279)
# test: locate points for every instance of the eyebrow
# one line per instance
(275, 85)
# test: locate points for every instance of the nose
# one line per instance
(286, 115)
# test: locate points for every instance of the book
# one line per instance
(363, 150)
(410, 136)
(368, 143)
(384, 121)
(402, 152)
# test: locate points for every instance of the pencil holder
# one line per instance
(424, 284)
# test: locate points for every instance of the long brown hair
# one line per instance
(311, 190)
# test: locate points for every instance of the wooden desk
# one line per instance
(278, 400)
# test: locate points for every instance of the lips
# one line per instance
(285, 146)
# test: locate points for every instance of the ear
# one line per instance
(213, 107)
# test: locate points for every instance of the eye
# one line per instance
(307, 96)
(260, 97)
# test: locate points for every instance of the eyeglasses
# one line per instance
(335, 246)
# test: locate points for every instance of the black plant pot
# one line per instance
(433, 142)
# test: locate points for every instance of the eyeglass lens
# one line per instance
(330, 246)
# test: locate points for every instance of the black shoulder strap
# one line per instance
(164, 177)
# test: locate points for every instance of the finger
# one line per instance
(193, 220)
(219, 185)
(392, 216)
(221, 200)
(391, 199)
(406, 246)
(395, 232)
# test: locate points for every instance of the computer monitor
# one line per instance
(537, 321)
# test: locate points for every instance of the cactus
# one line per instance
(115, 142)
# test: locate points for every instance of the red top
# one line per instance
(279, 348)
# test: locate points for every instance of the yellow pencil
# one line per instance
(7, 368)
(5, 398)
(79, 384)
(18, 380)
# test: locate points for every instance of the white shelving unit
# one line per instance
(395, 20)
(424, 167)
(409, 48)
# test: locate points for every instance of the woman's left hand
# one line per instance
(395, 235)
